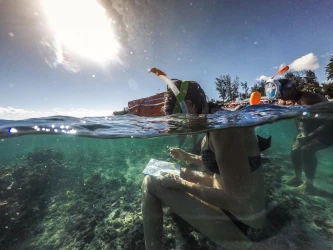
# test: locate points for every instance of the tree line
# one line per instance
(231, 89)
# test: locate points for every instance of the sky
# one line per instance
(89, 58)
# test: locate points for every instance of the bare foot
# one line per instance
(305, 188)
(293, 181)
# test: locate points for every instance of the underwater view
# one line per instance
(65, 191)
(166, 124)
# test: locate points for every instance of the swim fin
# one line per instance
(264, 143)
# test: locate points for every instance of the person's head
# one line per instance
(195, 98)
(283, 89)
(288, 91)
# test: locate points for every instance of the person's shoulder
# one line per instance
(309, 98)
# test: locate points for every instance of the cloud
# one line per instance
(307, 62)
(263, 78)
(279, 67)
(10, 113)
(327, 54)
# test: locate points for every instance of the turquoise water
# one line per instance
(82, 190)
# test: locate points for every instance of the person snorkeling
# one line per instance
(202, 153)
(313, 134)
(213, 108)
(229, 208)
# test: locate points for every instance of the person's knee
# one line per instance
(183, 173)
(149, 184)
(146, 183)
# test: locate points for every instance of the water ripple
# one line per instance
(127, 126)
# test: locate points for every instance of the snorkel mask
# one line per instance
(273, 89)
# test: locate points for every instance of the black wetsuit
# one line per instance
(209, 160)
(303, 153)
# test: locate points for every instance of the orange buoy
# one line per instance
(255, 98)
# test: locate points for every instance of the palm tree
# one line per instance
(329, 69)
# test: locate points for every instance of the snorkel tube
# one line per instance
(281, 71)
(172, 86)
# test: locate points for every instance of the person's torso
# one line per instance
(252, 183)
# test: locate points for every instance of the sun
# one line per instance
(82, 26)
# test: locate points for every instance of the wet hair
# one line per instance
(284, 82)
(194, 93)
(213, 107)
(294, 95)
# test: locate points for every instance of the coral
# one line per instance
(45, 156)
(25, 189)
(52, 203)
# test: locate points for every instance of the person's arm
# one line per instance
(214, 196)
(312, 99)
(194, 159)
(300, 128)
(181, 155)
(309, 99)
(323, 130)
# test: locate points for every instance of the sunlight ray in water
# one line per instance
(83, 27)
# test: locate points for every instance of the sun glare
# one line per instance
(82, 26)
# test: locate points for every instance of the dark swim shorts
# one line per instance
(253, 234)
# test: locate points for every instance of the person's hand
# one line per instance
(177, 154)
(170, 180)
(281, 102)
(301, 135)
(302, 138)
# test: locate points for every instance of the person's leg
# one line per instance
(310, 162)
(152, 217)
(208, 219)
(199, 177)
(297, 163)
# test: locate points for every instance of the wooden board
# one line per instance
(149, 106)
